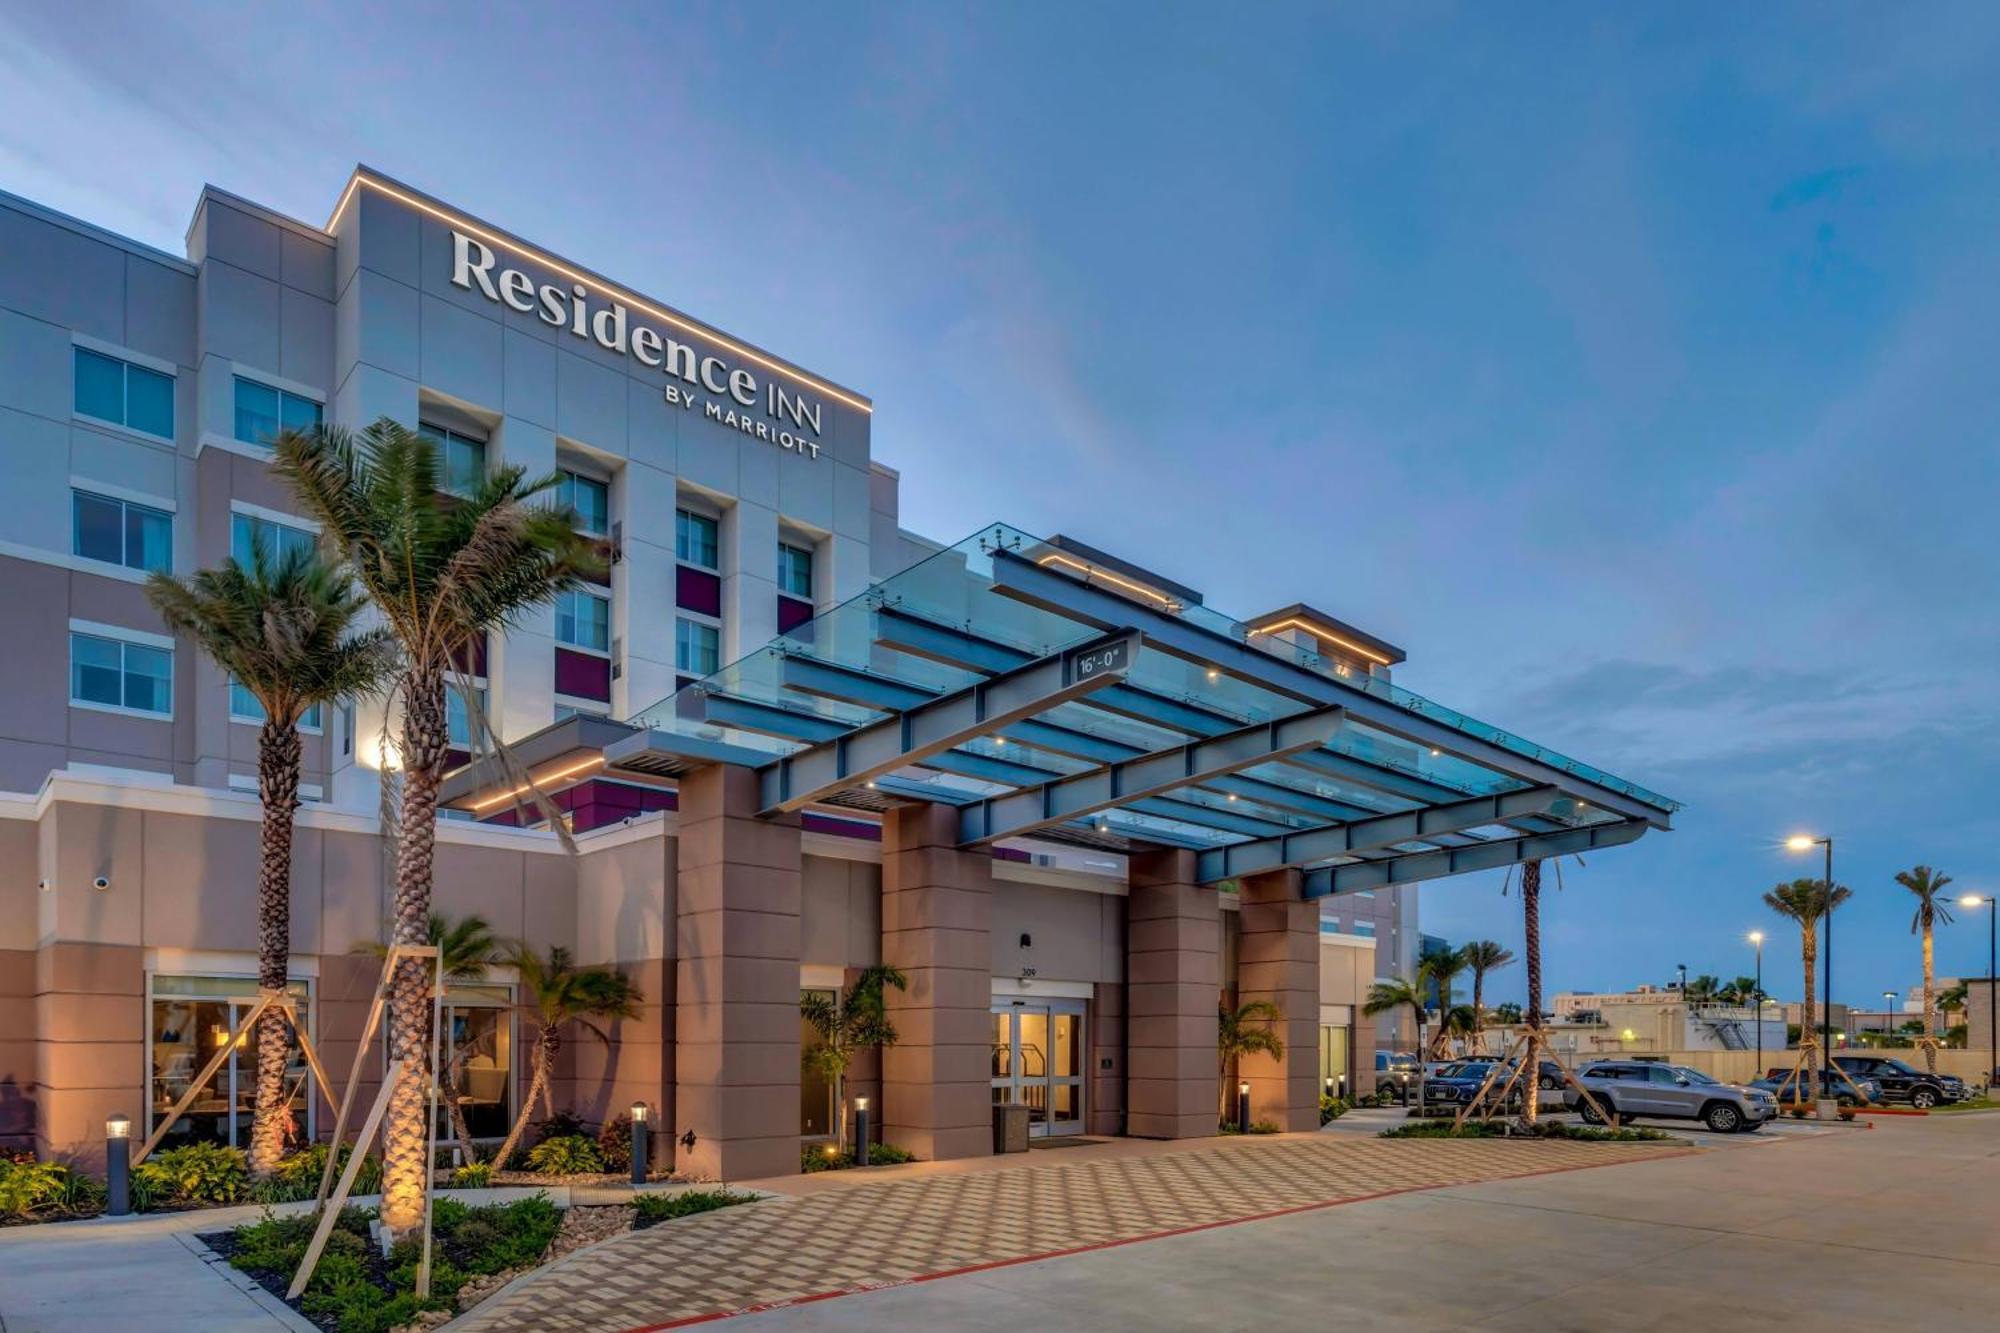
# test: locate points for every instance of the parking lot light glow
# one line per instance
(1800, 842)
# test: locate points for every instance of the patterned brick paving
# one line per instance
(843, 1240)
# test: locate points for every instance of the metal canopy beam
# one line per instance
(1459, 860)
(1280, 797)
(1133, 780)
(988, 768)
(1162, 710)
(1309, 845)
(881, 747)
(921, 637)
(690, 750)
(830, 680)
(1028, 582)
(1058, 739)
(728, 710)
(1388, 781)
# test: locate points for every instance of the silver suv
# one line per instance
(1651, 1089)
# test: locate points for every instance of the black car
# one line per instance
(1904, 1083)
(1458, 1083)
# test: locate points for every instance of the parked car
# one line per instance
(1395, 1062)
(1634, 1089)
(1805, 1088)
(1458, 1082)
(1551, 1075)
(1902, 1082)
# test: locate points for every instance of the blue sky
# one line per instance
(1633, 367)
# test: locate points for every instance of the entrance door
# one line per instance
(1038, 1061)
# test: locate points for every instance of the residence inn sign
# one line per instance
(731, 394)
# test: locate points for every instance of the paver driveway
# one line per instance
(866, 1236)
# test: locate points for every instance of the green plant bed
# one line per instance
(652, 1209)
(1332, 1108)
(357, 1289)
(879, 1154)
(1969, 1104)
(32, 1191)
(1444, 1128)
(567, 1155)
(1260, 1127)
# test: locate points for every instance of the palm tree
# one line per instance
(1805, 901)
(284, 630)
(466, 947)
(1440, 967)
(1531, 949)
(1396, 993)
(1248, 1029)
(847, 1025)
(1928, 885)
(443, 571)
(1507, 1013)
(1483, 956)
(561, 993)
(1702, 989)
(1952, 1000)
(1739, 990)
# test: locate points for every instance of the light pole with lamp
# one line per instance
(1805, 842)
(1992, 982)
(1888, 1014)
(1757, 1003)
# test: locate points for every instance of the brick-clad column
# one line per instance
(937, 1092)
(1278, 961)
(736, 1009)
(1173, 978)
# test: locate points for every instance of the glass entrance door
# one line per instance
(1038, 1061)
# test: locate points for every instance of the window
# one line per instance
(461, 458)
(795, 571)
(279, 539)
(119, 532)
(817, 1113)
(583, 620)
(124, 394)
(1364, 927)
(695, 539)
(262, 411)
(114, 673)
(193, 1018)
(458, 718)
(243, 707)
(479, 1065)
(590, 498)
(697, 648)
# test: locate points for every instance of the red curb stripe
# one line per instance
(816, 1297)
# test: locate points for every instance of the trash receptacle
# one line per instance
(1010, 1127)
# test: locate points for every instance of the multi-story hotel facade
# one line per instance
(788, 737)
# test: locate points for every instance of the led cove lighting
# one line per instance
(1092, 572)
(1321, 632)
(581, 766)
(603, 288)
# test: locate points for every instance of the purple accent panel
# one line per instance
(456, 759)
(792, 613)
(840, 828)
(470, 658)
(582, 675)
(1011, 854)
(698, 590)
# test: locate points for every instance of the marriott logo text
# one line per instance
(612, 328)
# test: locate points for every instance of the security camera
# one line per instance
(101, 883)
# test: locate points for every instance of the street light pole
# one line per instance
(1992, 981)
(1805, 842)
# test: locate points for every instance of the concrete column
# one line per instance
(736, 1012)
(1173, 974)
(936, 923)
(1278, 961)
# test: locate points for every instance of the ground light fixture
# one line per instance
(1757, 1002)
(118, 1165)
(640, 1152)
(1992, 981)
(1805, 842)
(861, 1131)
(1243, 1107)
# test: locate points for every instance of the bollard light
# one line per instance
(861, 1131)
(118, 1165)
(1243, 1107)
(641, 1151)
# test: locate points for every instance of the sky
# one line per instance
(1632, 367)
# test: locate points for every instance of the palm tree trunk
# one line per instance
(1809, 1027)
(1478, 1007)
(278, 788)
(1930, 1002)
(539, 1084)
(426, 744)
(1531, 948)
(453, 1090)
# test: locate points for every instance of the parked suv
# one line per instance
(1904, 1083)
(1651, 1090)
(1803, 1087)
(1459, 1081)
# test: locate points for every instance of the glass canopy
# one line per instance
(1004, 603)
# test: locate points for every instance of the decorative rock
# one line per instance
(587, 1226)
(478, 1288)
(424, 1322)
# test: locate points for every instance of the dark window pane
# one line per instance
(95, 673)
(257, 407)
(299, 413)
(100, 386)
(149, 401)
(99, 528)
(149, 539)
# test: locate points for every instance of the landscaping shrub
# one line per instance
(879, 1154)
(653, 1209)
(297, 1176)
(566, 1155)
(614, 1143)
(1332, 1108)
(561, 1125)
(42, 1191)
(355, 1290)
(474, 1176)
(196, 1173)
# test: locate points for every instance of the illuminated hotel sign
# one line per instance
(730, 395)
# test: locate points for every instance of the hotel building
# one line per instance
(790, 738)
